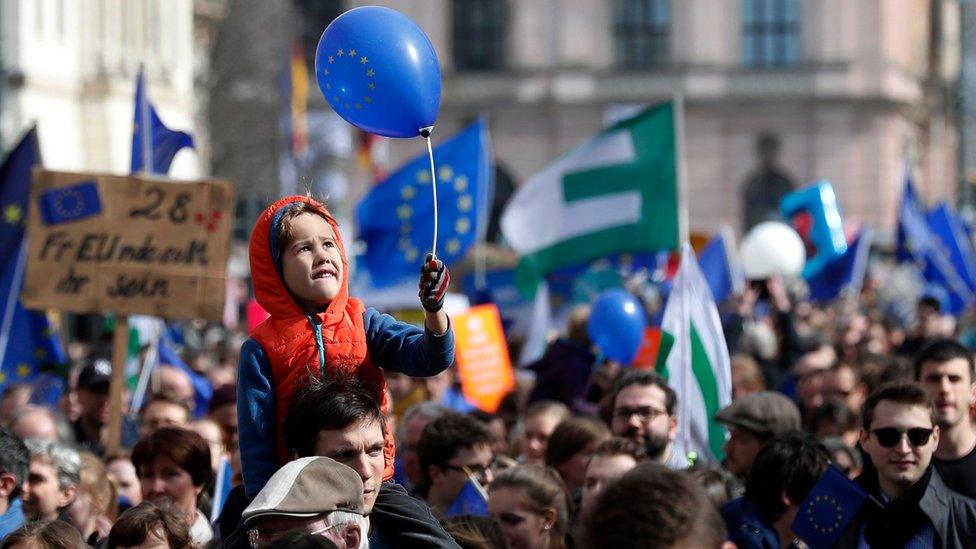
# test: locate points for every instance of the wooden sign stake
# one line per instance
(120, 353)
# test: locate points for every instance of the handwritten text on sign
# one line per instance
(482, 357)
(128, 244)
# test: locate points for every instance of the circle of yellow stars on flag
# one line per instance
(826, 505)
(345, 98)
(464, 204)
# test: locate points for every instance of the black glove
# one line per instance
(434, 280)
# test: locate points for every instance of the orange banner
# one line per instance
(482, 357)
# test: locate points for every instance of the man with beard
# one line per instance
(642, 408)
(945, 370)
(752, 420)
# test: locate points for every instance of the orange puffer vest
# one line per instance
(288, 339)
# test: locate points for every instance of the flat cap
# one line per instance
(766, 413)
(307, 487)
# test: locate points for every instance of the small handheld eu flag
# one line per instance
(827, 509)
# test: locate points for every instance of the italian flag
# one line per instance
(697, 367)
(617, 192)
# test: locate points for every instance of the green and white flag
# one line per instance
(617, 192)
(698, 366)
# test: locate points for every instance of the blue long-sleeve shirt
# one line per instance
(393, 345)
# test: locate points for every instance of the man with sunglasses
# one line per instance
(452, 450)
(945, 369)
(916, 508)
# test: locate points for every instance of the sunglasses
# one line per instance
(889, 436)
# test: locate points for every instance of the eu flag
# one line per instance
(916, 243)
(845, 272)
(717, 267)
(149, 131)
(470, 501)
(28, 344)
(70, 203)
(827, 509)
(202, 390)
(949, 231)
(396, 220)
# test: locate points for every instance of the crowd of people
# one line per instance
(343, 427)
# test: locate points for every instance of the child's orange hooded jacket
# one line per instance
(284, 350)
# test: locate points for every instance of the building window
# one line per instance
(641, 33)
(479, 34)
(770, 33)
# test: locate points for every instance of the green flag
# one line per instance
(617, 192)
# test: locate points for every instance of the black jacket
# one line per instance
(952, 515)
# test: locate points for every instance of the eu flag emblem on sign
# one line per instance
(72, 203)
(827, 509)
(396, 220)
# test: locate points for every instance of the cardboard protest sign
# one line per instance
(482, 357)
(128, 244)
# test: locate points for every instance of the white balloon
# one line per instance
(772, 248)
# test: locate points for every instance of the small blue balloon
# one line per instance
(616, 325)
(379, 71)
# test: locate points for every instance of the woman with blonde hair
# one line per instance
(532, 506)
(94, 509)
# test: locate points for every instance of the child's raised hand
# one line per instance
(434, 280)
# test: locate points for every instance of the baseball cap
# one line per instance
(97, 375)
(765, 413)
(307, 487)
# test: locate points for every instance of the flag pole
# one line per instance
(682, 167)
(120, 350)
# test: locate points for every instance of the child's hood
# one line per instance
(269, 287)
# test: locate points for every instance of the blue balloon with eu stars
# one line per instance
(379, 71)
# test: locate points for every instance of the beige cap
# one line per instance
(307, 487)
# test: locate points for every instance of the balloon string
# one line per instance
(433, 179)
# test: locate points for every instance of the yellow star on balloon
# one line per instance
(405, 211)
(464, 202)
(408, 192)
(462, 225)
(3, 377)
(411, 254)
(423, 176)
(352, 53)
(39, 353)
(461, 183)
(445, 173)
(12, 213)
(405, 228)
(23, 370)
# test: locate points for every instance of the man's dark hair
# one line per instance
(899, 392)
(790, 463)
(653, 506)
(644, 378)
(443, 437)
(14, 459)
(944, 350)
(328, 406)
(930, 301)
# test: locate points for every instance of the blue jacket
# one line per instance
(12, 519)
(747, 528)
(393, 345)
